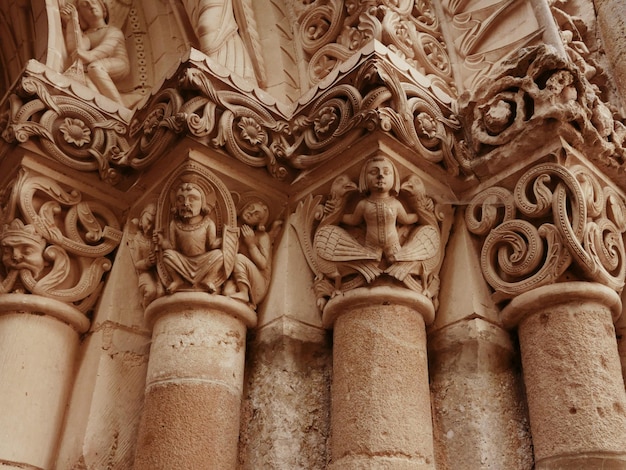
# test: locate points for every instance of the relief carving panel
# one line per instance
(197, 238)
(382, 230)
(55, 243)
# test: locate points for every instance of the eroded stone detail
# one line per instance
(391, 234)
(557, 220)
(534, 90)
(55, 243)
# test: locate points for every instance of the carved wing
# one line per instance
(230, 245)
(422, 245)
(333, 243)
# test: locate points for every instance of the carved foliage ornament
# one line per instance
(321, 131)
(379, 231)
(331, 32)
(72, 132)
(54, 243)
(555, 220)
(190, 240)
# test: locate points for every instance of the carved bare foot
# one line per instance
(209, 287)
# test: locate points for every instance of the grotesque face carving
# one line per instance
(22, 253)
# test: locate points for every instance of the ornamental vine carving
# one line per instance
(331, 32)
(379, 231)
(557, 220)
(54, 242)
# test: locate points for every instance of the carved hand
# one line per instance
(248, 235)
(67, 12)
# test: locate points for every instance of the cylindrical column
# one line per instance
(38, 344)
(380, 399)
(572, 372)
(611, 16)
(194, 383)
(480, 418)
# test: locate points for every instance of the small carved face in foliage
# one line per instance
(23, 251)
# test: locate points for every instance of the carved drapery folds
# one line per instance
(331, 32)
(190, 240)
(54, 242)
(382, 230)
(557, 224)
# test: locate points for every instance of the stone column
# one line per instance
(572, 372)
(380, 411)
(612, 26)
(38, 343)
(194, 382)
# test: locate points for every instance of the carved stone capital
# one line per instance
(385, 230)
(196, 238)
(559, 223)
(55, 242)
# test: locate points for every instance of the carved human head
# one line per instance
(91, 9)
(379, 170)
(190, 198)
(146, 219)
(254, 211)
(22, 248)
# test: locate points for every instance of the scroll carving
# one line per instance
(556, 220)
(54, 243)
(331, 32)
(390, 233)
(190, 240)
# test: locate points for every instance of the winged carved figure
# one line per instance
(379, 238)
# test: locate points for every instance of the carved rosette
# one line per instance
(76, 134)
(353, 239)
(558, 224)
(55, 243)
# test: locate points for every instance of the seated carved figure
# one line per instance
(191, 253)
(95, 45)
(253, 264)
(141, 245)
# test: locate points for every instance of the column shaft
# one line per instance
(194, 384)
(380, 411)
(572, 372)
(37, 358)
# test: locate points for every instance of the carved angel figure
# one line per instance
(191, 253)
(380, 237)
(95, 45)
(253, 264)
